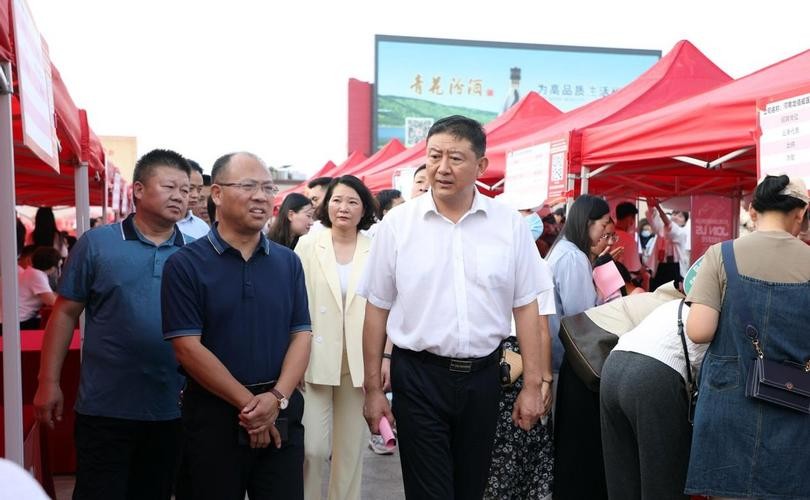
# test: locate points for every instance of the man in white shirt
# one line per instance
(191, 225)
(445, 274)
(677, 230)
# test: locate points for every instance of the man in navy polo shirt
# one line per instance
(235, 310)
(127, 414)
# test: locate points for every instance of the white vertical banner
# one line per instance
(784, 141)
(35, 87)
(527, 172)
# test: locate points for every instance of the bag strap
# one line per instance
(683, 342)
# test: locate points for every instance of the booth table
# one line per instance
(59, 455)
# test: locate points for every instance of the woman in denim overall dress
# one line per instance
(743, 447)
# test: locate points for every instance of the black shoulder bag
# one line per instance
(786, 384)
(691, 386)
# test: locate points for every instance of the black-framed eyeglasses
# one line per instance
(248, 187)
(610, 237)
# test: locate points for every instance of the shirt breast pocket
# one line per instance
(492, 266)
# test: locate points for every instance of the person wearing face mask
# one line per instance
(527, 206)
(647, 245)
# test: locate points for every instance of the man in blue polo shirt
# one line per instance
(235, 310)
(127, 416)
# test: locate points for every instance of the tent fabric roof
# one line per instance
(328, 166)
(37, 183)
(299, 188)
(393, 148)
(351, 166)
(354, 159)
(683, 72)
(715, 122)
(529, 113)
(67, 114)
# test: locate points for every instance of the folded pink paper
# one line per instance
(387, 433)
(607, 279)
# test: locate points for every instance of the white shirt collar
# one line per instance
(427, 204)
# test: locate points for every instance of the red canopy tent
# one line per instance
(354, 159)
(37, 183)
(706, 142)
(681, 73)
(393, 148)
(279, 199)
(529, 113)
(18, 167)
(349, 167)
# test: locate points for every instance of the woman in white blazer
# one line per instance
(333, 261)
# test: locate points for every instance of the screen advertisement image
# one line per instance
(419, 80)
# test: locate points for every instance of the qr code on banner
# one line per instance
(557, 164)
(416, 129)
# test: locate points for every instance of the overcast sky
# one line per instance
(205, 78)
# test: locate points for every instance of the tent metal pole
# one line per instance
(692, 161)
(730, 156)
(82, 186)
(12, 374)
(601, 169)
(106, 194)
(583, 187)
(569, 187)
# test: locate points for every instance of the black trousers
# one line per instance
(446, 426)
(645, 431)
(579, 470)
(125, 459)
(219, 467)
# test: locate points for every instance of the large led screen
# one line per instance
(419, 80)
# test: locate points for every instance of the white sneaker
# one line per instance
(378, 446)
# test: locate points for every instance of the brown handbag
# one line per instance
(587, 346)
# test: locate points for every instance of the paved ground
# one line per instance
(382, 479)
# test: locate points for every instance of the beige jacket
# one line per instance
(327, 312)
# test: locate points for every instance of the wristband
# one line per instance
(386, 355)
(544, 381)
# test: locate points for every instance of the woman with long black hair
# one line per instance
(295, 218)
(578, 465)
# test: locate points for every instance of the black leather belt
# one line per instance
(261, 388)
(467, 365)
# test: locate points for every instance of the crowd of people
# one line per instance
(40, 255)
(229, 350)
